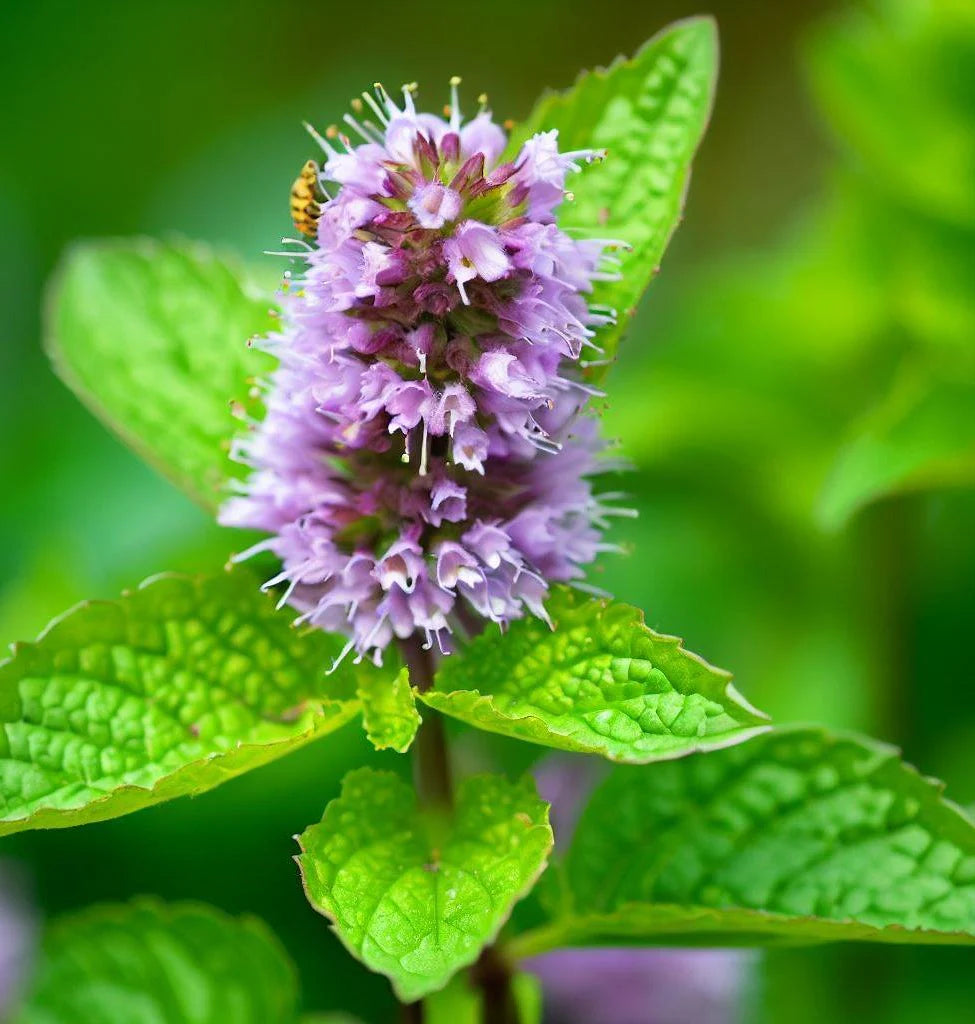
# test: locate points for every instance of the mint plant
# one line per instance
(405, 431)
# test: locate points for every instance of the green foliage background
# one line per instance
(796, 393)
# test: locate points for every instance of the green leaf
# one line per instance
(171, 690)
(148, 962)
(416, 894)
(650, 113)
(153, 336)
(921, 436)
(601, 683)
(796, 836)
(894, 84)
(389, 710)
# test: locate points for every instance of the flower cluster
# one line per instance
(422, 463)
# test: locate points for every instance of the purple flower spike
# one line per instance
(424, 459)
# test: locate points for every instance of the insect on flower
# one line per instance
(426, 457)
(305, 196)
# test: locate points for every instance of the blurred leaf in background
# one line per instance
(803, 420)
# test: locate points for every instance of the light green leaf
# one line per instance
(153, 337)
(797, 836)
(921, 436)
(601, 683)
(649, 112)
(416, 895)
(147, 962)
(171, 690)
(389, 710)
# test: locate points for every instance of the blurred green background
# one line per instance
(797, 396)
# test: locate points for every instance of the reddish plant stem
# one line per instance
(431, 763)
(412, 1013)
(491, 975)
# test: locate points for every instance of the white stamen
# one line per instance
(372, 632)
(391, 109)
(362, 129)
(289, 590)
(375, 108)
(408, 91)
(255, 549)
(455, 117)
(423, 451)
(343, 654)
(322, 142)
(589, 155)
(588, 588)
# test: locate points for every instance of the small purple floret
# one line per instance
(423, 460)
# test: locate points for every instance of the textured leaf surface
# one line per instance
(170, 690)
(147, 963)
(649, 112)
(921, 436)
(600, 683)
(389, 710)
(153, 337)
(795, 836)
(416, 896)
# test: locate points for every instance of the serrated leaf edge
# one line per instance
(318, 710)
(526, 782)
(570, 744)
(438, 699)
(557, 932)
